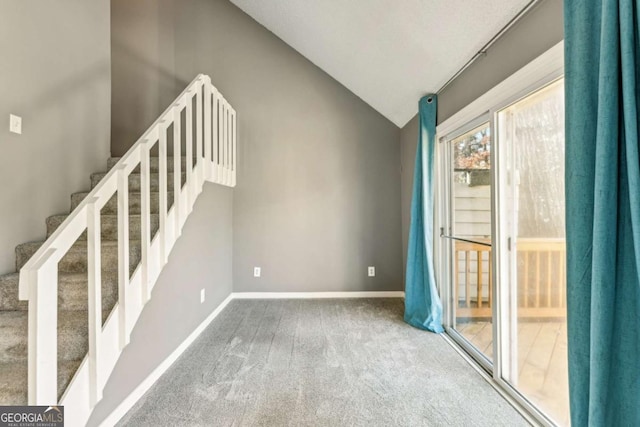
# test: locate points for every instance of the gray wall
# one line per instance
(200, 259)
(317, 197)
(55, 73)
(535, 33)
(143, 81)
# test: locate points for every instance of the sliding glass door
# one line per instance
(503, 212)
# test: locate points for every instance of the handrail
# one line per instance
(215, 161)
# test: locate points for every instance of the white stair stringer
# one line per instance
(210, 151)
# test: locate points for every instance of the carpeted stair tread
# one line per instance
(154, 164)
(75, 260)
(13, 383)
(111, 207)
(72, 291)
(109, 224)
(9, 293)
(72, 335)
(13, 380)
(134, 181)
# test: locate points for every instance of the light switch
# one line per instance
(15, 124)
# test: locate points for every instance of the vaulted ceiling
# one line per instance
(387, 52)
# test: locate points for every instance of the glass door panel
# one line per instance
(531, 140)
(470, 237)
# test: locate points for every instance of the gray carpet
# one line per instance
(320, 363)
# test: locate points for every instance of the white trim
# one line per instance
(317, 295)
(146, 384)
(550, 62)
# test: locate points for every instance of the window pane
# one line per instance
(471, 211)
(531, 132)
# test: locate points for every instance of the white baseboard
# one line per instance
(317, 295)
(146, 384)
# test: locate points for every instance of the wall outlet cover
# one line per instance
(371, 271)
(256, 271)
(201, 296)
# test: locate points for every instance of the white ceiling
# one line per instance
(388, 52)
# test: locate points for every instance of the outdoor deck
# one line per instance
(542, 361)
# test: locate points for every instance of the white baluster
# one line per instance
(162, 179)
(215, 123)
(145, 220)
(234, 149)
(94, 260)
(199, 128)
(177, 173)
(189, 152)
(123, 254)
(207, 127)
(43, 332)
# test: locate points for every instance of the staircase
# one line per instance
(87, 283)
(72, 287)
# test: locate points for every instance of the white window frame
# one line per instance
(540, 72)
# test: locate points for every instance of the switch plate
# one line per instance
(15, 124)
(256, 271)
(371, 271)
(201, 296)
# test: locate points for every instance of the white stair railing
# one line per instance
(215, 161)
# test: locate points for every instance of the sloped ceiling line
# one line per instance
(411, 47)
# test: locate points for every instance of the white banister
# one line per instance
(214, 160)
(94, 261)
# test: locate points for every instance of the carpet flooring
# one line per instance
(331, 362)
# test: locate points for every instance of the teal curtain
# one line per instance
(602, 72)
(423, 308)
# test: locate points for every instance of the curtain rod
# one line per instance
(485, 48)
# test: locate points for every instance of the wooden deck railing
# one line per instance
(541, 290)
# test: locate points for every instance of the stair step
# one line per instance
(13, 383)
(75, 261)
(72, 292)
(9, 293)
(153, 165)
(111, 207)
(134, 181)
(72, 335)
(109, 224)
(13, 380)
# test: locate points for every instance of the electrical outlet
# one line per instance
(201, 296)
(15, 124)
(256, 271)
(371, 271)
